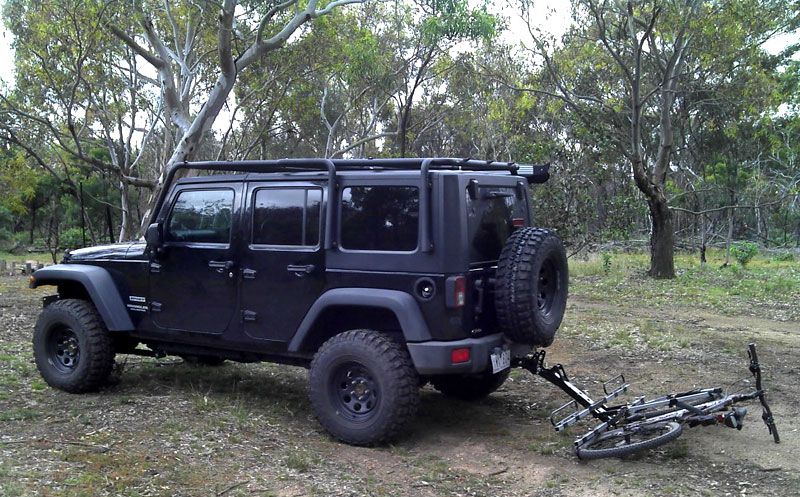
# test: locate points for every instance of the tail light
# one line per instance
(456, 291)
(518, 222)
(458, 356)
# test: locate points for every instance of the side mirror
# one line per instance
(153, 236)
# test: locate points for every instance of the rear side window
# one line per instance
(384, 218)
(201, 216)
(490, 220)
(287, 216)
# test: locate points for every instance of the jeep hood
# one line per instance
(125, 250)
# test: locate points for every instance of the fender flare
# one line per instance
(401, 304)
(98, 284)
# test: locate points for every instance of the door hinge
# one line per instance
(249, 316)
(249, 274)
(155, 306)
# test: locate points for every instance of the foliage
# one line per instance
(744, 252)
(423, 78)
(606, 256)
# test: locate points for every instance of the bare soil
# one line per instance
(168, 428)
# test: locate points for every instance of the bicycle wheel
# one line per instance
(628, 440)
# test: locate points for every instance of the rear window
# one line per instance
(384, 218)
(490, 217)
(287, 217)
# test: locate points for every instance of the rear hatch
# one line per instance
(493, 213)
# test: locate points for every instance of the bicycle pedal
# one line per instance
(735, 418)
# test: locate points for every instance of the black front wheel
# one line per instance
(363, 387)
(71, 346)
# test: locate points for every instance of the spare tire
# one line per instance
(531, 286)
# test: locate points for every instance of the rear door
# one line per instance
(283, 269)
(493, 213)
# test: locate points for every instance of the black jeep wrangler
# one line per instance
(378, 275)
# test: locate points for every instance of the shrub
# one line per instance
(71, 238)
(784, 257)
(606, 256)
(744, 252)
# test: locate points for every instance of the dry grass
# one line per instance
(167, 428)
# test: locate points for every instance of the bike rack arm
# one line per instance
(556, 375)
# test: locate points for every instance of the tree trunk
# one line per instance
(33, 221)
(729, 238)
(125, 227)
(703, 239)
(662, 237)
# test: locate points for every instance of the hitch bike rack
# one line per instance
(640, 423)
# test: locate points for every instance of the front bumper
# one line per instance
(431, 358)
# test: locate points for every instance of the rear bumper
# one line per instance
(432, 358)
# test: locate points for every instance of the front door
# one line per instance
(282, 270)
(194, 282)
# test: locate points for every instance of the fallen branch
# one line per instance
(101, 448)
(498, 472)
(231, 487)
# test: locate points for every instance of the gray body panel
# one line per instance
(98, 284)
(403, 305)
(434, 357)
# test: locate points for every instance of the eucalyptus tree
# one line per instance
(622, 70)
(78, 100)
(199, 49)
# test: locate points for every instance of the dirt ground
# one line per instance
(168, 428)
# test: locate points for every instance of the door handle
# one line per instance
(222, 267)
(300, 269)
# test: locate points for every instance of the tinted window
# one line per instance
(490, 219)
(201, 216)
(287, 216)
(380, 218)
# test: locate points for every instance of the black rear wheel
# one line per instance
(628, 440)
(72, 348)
(363, 387)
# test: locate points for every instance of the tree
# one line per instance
(175, 40)
(78, 99)
(622, 70)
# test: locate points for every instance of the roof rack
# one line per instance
(533, 173)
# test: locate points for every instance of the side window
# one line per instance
(384, 218)
(202, 216)
(287, 217)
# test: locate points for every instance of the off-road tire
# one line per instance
(79, 321)
(621, 442)
(470, 386)
(383, 369)
(531, 289)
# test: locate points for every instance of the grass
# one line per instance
(33, 256)
(176, 429)
(765, 282)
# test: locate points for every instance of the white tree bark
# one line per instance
(177, 77)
